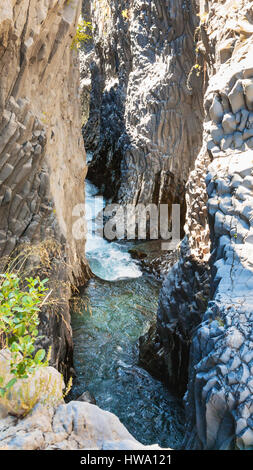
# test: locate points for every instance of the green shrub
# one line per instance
(82, 34)
(19, 321)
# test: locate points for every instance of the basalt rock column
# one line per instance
(42, 160)
(211, 308)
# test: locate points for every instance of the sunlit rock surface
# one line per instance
(44, 386)
(145, 118)
(74, 426)
(42, 159)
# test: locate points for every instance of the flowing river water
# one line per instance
(120, 302)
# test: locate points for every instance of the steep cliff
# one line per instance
(72, 426)
(151, 66)
(144, 124)
(206, 301)
(42, 160)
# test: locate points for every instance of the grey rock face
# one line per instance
(184, 295)
(219, 405)
(219, 396)
(74, 426)
(145, 123)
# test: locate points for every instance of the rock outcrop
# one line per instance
(75, 426)
(33, 416)
(145, 120)
(42, 160)
(45, 386)
(206, 301)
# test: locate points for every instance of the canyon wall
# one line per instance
(149, 68)
(145, 112)
(42, 159)
(206, 301)
(72, 426)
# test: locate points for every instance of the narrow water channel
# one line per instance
(119, 304)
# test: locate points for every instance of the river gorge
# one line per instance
(133, 103)
(120, 304)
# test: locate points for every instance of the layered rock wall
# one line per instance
(42, 160)
(219, 403)
(145, 119)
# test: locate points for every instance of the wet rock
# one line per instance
(137, 254)
(44, 386)
(151, 354)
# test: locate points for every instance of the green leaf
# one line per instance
(11, 383)
(2, 392)
(39, 356)
(19, 320)
(21, 330)
(15, 347)
(21, 368)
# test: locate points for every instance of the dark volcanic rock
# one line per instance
(206, 301)
(42, 158)
(87, 397)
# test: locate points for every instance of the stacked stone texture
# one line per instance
(219, 403)
(42, 162)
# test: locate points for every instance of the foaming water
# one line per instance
(108, 260)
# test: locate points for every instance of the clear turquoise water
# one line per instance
(106, 346)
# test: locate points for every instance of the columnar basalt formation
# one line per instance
(42, 160)
(72, 426)
(185, 292)
(145, 122)
(219, 402)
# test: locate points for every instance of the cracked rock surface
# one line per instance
(72, 426)
(219, 403)
(145, 122)
(42, 166)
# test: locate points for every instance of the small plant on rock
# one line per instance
(19, 320)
